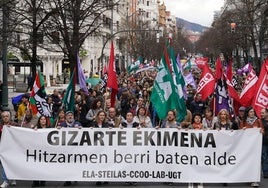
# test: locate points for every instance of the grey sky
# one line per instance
(197, 11)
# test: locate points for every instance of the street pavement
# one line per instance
(26, 184)
(53, 184)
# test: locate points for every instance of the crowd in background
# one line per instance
(134, 109)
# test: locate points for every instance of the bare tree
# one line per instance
(249, 23)
(74, 21)
(248, 33)
(28, 19)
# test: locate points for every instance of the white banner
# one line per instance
(164, 155)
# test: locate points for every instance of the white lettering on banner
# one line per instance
(204, 81)
(262, 98)
(100, 154)
(251, 76)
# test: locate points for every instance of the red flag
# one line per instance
(167, 60)
(248, 90)
(260, 100)
(218, 73)
(201, 62)
(206, 84)
(112, 79)
(230, 70)
(231, 90)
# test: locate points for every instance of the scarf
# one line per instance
(251, 120)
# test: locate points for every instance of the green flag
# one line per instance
(164, 96)
(187, 65)
(68, 99)
(133, 67)
(179, 84)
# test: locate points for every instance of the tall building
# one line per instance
(120, 24)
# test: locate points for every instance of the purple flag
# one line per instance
(178, 59)
(81, 77)
(247, 68)
(222, 99)
(189, 79)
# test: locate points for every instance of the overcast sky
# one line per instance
(197, 11)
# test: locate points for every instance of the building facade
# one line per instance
(120, 24)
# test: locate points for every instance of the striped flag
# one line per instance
(38, 102)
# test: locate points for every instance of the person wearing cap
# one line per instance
(240, 115)
(70, 121)
(22, 107)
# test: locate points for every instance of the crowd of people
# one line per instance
(133, 109)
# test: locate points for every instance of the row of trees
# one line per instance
(54, 25)
(63, 26)
(249, 35)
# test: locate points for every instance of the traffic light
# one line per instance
(233, 26)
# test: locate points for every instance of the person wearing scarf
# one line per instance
(250, 120)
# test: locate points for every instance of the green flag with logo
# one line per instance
(164, 96)
(179, 84)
